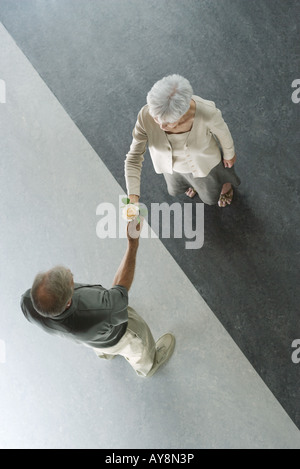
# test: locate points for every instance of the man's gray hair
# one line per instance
(170, 98)
(52, 290)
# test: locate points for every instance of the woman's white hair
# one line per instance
(169, 99)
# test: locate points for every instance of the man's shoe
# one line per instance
(164, 349)
(105, 356)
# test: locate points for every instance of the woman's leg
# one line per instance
(218, 181)
(207, 188)
(176, 183)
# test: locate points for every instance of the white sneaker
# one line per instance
(105, 356)
(164, 349)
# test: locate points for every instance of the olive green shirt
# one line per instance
(97, 317)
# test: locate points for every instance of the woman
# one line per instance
(188, 141)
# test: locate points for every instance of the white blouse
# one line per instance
(178, 142)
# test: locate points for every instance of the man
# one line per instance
(97, 317)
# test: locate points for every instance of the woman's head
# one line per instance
(169, 99)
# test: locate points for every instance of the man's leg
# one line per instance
(140, 351)
(138, 347)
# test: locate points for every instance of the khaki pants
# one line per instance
(137, 345)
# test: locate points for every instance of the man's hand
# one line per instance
(229, 163)
(125, 273)
(134, 229)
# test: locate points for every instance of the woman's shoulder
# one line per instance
(144, 111)
(205, 103)
(144, 116)
(205, 107)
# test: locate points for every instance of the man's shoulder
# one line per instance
(27, 306)
(25, 295)
(96, 297)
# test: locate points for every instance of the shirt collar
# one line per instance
(68, 312)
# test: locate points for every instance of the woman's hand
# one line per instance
(134, 198)
(229, 163)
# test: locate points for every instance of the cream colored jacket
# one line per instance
(202, 149)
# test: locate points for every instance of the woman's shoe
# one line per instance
(226, 199)
(191, 192)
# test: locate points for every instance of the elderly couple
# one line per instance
(190, 144)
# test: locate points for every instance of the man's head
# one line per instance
(52, 291)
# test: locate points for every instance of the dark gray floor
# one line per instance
(100, 58)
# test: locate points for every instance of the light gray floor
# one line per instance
(55, 394)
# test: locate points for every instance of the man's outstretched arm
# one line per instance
(125, 272)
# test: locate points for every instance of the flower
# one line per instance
(130, 212)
